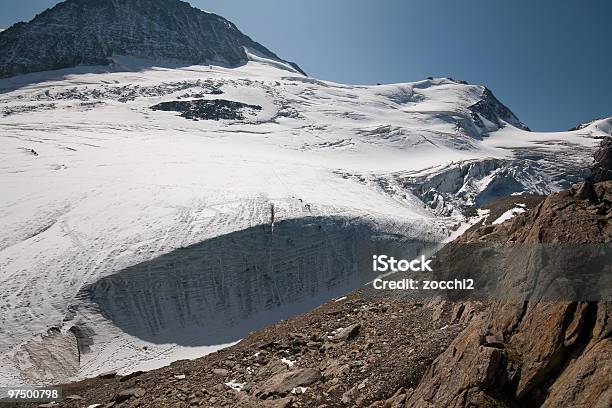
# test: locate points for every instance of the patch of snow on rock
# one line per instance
(509, 214)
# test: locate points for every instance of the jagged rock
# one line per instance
(550, 354)
(540, 340)
(602, 169)
(283, 383)
(494, 341)
(490, 108)
(587, 191)
(586, 381)
(530, 259)
(457, 312)
(437, 310)
(454, 378)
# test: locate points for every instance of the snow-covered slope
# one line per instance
(152, 234)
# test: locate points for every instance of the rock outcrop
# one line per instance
(288, 381)
(548, 354)
(215, 109)
(602, 170)
(489, 108)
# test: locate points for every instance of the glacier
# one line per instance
(132, 237)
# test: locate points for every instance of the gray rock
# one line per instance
(283, 383)
(602, 169)
(273, 367)
(221, 372)
(348, 333)
(494, 111)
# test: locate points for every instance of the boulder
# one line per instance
(283, 383)
(348, 333)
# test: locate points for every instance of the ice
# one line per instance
(114, 185)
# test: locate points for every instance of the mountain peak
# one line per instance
(91, 32)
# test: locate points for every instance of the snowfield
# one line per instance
(132, 237)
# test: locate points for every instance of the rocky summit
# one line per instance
(92, 32)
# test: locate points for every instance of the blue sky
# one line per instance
(550, 61)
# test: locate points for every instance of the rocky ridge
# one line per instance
(549, 354)
(602, 170)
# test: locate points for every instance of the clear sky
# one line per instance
(550, 61)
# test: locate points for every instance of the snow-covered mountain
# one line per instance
(93, 32)
(151, 213)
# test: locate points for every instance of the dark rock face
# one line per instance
(90, 32)
(215, 109)
(493, 110)
(540, 354)
(602, 169)
(583, 125)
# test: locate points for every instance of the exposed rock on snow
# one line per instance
(215, 109)
(489, 111)
(602, 170)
